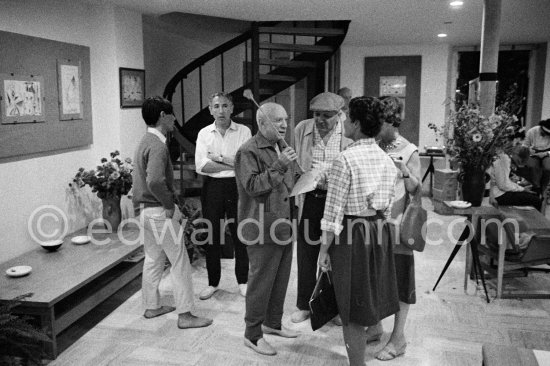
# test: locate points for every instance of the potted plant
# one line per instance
(20, 342)
(190, 211)
(473, 141)
(110, 180)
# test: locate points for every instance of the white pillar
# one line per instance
(488, 62)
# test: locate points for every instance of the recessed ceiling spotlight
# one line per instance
(442, 35)
(456, 4)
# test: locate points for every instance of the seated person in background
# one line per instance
(506, 192)
(537, 139)
(521, 173)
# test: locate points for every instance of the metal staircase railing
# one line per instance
(252, 61)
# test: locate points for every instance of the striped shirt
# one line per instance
(362, 178)
(323, 155)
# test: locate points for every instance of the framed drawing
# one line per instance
(22, 99)
(395, 86)
(132, 87)
(69, 86)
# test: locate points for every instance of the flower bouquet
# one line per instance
(110, 180)
(473, 141)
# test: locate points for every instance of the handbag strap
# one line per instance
(316, 289)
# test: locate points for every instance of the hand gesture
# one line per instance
(214, 157)
(287, 156)
(227, 160)
(170, 213)
(540, 155)
(324, 261)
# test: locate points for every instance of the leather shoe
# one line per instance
(207, 292)
(283, 332)
(261, 346)
(299, 316)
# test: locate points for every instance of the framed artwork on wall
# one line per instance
(132, 87)
(395, 86)
(69, 85)
(22, 99)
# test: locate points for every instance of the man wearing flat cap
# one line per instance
(537, 139)
(318, 141)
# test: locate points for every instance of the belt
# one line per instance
(318, 193)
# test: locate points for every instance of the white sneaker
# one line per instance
(242, 289)
(207, 292)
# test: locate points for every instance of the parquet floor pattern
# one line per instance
(445, 327)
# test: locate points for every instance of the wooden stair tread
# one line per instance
(276, 77)
(314, 32)
(287, 63)
(307, 48)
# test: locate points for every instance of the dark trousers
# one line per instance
(265, 296)
(519, 199)
(219, 201)
(309, 234)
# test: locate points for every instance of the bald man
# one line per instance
(264, 181)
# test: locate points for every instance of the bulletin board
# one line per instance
(45, 95)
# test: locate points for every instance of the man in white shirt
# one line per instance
(217, 145)
(537, 139)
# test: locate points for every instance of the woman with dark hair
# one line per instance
(359, 198)
(406, 159)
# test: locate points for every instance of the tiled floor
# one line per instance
(446, 327)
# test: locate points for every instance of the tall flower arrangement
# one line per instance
(474, 140)
(111, 179)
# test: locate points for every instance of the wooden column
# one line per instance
(488, 63)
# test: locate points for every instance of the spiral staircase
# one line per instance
(267, 59)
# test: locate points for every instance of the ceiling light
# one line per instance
(456, 4)
(442, 35)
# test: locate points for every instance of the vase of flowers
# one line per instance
(110, 180)
(474, 141)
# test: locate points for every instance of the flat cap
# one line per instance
(326, 102)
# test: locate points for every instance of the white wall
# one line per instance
(28, 182)
(168, 52)
(433, 82)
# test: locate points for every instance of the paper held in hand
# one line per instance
(306, 183)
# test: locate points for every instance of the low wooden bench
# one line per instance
(68, 283)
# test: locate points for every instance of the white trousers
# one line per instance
(162, 242)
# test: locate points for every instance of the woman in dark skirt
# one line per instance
(407, 161)
(356, 239)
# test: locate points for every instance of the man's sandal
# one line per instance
(389, 352)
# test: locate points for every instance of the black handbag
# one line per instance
(323, 301)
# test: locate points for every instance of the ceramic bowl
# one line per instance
(51, 245)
